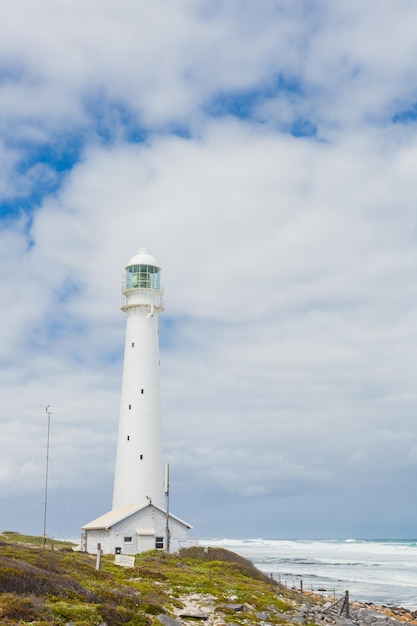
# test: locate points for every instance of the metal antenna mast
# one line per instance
(49, 413)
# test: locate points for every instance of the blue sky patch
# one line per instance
(243, 104)
(44, 166)
(40, 172)
(114, 120)
(406, 116)
(303, 128)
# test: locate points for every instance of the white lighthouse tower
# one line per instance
(139, 474)
(139, 519)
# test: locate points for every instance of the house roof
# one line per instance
(106, 521)
(114, 516)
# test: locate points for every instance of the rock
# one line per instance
(343, 621)
(262, 616)
(234, 607)
(166, 620)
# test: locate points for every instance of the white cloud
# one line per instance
(288, 347)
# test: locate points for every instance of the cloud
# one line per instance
(258, 152)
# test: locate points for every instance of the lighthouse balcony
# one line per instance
(143, 298)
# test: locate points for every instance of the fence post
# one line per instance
(98, 559)
(347, 604)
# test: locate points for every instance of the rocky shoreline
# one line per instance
(308, 609)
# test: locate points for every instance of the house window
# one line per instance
(127, 539)
(159, 542)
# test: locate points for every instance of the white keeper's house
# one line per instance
(140, 518)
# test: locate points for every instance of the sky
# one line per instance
(266, 153)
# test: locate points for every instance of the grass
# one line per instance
(40, 586)
(13, 537)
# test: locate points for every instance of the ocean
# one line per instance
(383, 572)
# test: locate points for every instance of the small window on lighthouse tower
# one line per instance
(133, 344)
(141, 457)
(130, 406)
(141, 391)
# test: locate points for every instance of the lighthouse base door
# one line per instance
(146, 539)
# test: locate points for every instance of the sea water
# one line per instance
(382, 571)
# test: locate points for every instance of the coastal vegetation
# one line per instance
(54, 584)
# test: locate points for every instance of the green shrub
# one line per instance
(152, 609)
(20, 608)
(19, 576)
(198, 553)
(76, 612)
(117, 616)
(17, 580)
(154, 574)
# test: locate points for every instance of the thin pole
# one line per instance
(49, 413)
(167, 532)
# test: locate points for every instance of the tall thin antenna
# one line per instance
(49, 413)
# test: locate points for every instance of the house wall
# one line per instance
(178, 530)
(95, 537)
(137, 526)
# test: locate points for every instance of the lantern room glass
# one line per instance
(143, 277)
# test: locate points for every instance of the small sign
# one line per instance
(124, 560)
